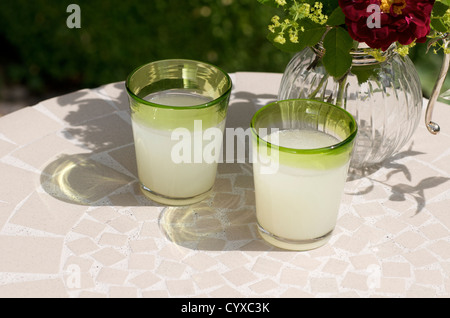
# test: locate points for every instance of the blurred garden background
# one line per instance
(41, 57)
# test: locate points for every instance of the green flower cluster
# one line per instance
(306, 23)
(298, 11)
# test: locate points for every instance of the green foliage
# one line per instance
(446, 2)
(440, 18)
(336, 18)
(305, 24)
(271, 3)
(311, 35)
(337, 59)
(116, 36)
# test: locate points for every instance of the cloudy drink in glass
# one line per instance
(178, 102)
(302, 152)
(159, 156)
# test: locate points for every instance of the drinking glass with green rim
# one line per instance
(168, 97)
(301, 155)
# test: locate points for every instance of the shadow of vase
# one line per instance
(393, 170)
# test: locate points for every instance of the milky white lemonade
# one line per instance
(298, 205)
(157, 170)
(178, 98)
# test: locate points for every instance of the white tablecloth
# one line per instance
(73, 222)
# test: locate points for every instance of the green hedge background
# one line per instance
(39, 50)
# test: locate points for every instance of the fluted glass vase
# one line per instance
(384, 97)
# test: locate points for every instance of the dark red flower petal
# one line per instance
(413, 24)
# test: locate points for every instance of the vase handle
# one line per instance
(432, 126)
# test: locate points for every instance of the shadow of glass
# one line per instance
(205, 227)
(226, 221)
(78, 179)
(98, 121)
(107, 174)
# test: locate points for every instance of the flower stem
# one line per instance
(342, 83)
(319, 87)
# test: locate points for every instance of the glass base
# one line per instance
(294, 245)
(166, 200)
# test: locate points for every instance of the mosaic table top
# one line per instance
(74, 223)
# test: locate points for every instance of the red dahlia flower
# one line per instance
(404, 21)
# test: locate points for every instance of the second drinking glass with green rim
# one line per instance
(171, 99)
(301, 156)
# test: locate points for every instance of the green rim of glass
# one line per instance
(314, 151)
(201, 106)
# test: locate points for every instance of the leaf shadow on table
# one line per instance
(399, 192)
(105, 174)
